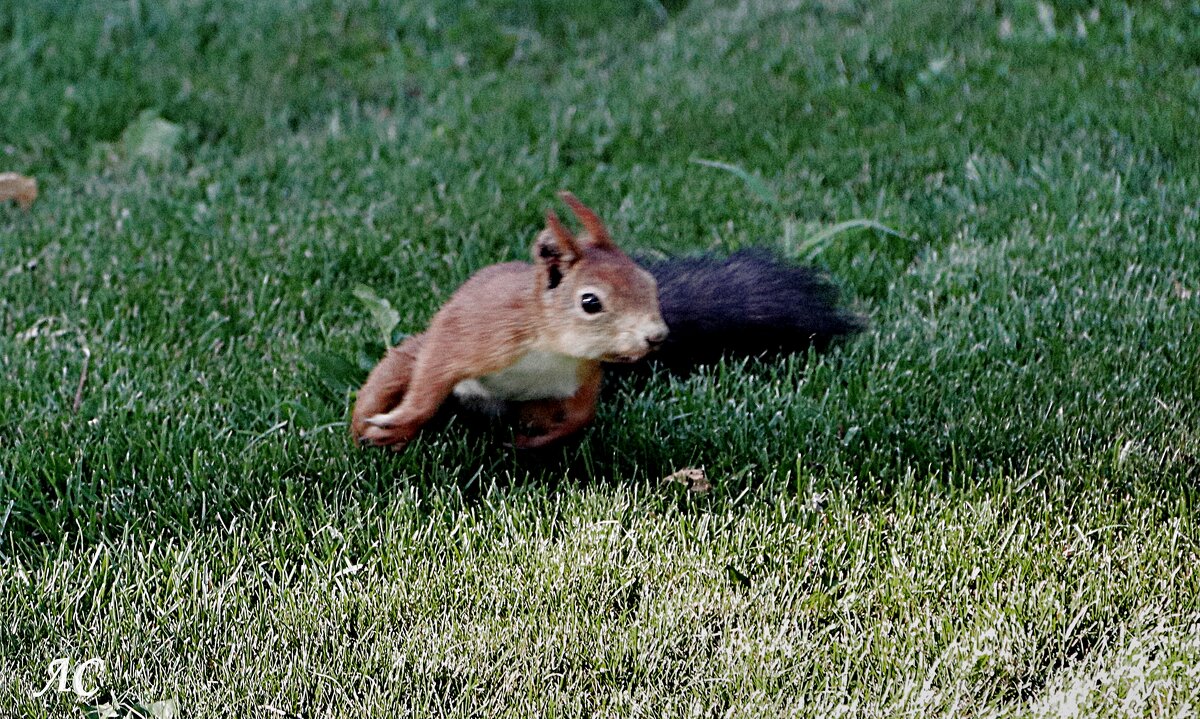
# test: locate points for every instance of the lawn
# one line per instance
(983, 505)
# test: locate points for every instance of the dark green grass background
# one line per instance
(981, 506)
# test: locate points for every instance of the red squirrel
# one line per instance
(529, 340)
(521, 337)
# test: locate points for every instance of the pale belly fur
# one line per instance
(537, 375)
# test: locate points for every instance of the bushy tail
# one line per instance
(749, 303)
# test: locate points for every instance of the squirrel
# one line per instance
(515, 333)
(529, 341)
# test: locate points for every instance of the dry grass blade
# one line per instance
(18, 187)
(694, 478)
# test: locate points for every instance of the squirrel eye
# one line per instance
(590, 303)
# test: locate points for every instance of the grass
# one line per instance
(983, 506)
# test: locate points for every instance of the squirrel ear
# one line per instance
(597, 232)
(555, 248)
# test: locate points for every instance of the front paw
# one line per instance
(374, 435)
(382, 421)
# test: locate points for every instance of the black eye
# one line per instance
(590, 303)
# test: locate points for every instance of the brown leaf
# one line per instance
(1183, 293)
(18, 187)
(693, 478)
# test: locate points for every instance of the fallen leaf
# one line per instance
(18, 187)
(165, 709)
(383, 314)
(150, 137)
(101, 711)
(1182, 292)
(692, 477)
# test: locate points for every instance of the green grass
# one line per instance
(983, 506)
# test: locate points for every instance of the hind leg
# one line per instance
(386, 385)
(545, 422)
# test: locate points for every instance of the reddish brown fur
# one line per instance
(506, 311)
(386, 384)
(545, 421)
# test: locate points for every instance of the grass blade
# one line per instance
(817, 243)
(754, 183)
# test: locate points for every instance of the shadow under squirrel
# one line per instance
(528, 341)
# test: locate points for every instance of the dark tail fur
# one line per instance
(749, 303)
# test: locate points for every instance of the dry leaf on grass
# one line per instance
(18, 187)
(693, 478)
(149, 137)
(1183, 293)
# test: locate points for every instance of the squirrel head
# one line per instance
(596, 303)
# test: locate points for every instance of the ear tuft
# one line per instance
(591, 222)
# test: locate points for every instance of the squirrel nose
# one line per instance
(655, 340)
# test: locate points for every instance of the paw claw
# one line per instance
(380, 420)
(377, 436)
